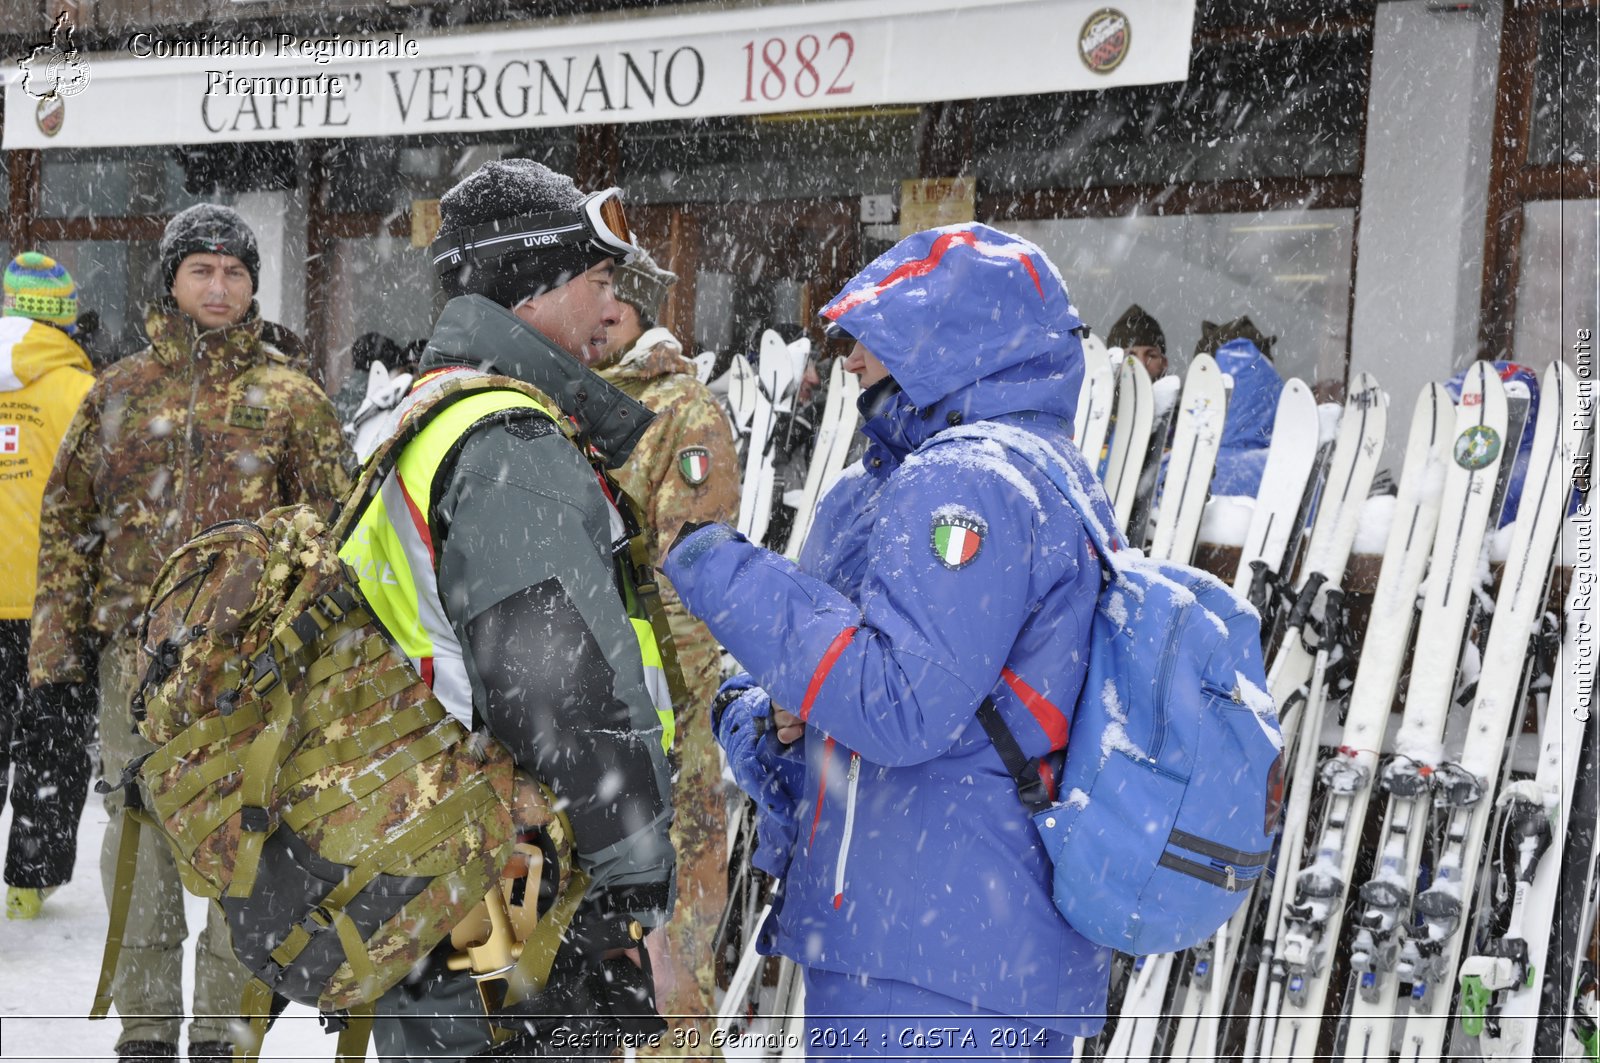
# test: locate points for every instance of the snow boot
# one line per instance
(23, 902)
(210, 1052)
(147, 1052)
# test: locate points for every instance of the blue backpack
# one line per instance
(1168, 801)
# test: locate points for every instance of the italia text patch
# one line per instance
(694, 465)
(957, 537)
(242, 416)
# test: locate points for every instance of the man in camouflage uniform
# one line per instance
(684, 469)
(211, 422)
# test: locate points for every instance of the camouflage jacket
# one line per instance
(684, 468)
(197, 428)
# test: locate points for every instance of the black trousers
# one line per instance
(44, 755)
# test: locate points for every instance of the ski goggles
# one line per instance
(599, 223)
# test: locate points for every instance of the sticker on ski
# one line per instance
(1477, 446)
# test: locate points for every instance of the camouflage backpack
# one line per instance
(307, 779)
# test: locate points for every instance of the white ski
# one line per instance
(1129, 438)
(1195, 441)
(1295, 431)
(1501, 984)
(1383, 952)
(1342, 493)
(1462, 790)
(1291, 981)
(1140, 1018)
(834, 437)
(775, 375)
(1093, 416)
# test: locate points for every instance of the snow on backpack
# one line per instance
(309, 781)
(1168, 801)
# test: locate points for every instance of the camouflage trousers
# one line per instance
(148, 988)
(681, 954)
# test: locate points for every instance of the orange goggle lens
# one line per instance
(615, 219)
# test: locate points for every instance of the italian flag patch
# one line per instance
(694, 465)
(957, 538)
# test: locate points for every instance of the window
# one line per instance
(1289, 270)
(1539, 253)
(116, 279)
(378, 284)
(1556, 291)
(104, 182)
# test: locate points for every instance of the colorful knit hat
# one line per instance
(39, 287)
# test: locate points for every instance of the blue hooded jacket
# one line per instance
(938, 573)
(1251, 410)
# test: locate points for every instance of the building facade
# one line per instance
(1398, 187)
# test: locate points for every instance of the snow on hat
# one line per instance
(500, 191)
(208, 229)
(39, 287)
(1136, 328)
(643, 284)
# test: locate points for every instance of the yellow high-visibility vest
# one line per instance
(391, 549)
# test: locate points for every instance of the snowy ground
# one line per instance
(49, 966)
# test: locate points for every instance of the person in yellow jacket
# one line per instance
(44, 375)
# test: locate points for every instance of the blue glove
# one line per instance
(770, 773)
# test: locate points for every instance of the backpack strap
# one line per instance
(1024, 772)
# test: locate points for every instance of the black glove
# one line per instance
(686, 529)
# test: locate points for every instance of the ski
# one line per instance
(1129, 438)
(1295, 434)
(834, 436)
(1291, 982)
(1164, 397)
(1092, 419)
(1567, 1020)
(1503, 978)
(1384, 952)
(1215, 967)
(1462, 788)
(1140, 1018)
(1196, 438)
(774, 377)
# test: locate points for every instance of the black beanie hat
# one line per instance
(211, 229)
(1136, 328)
(502, 191)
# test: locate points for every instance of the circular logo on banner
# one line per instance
(50, 114)
(1477, 447)
(1103, 41)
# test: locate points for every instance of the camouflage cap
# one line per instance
(643, 284)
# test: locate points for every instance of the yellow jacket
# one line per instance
(43, 377)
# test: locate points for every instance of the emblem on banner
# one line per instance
(55, 70)
(1103, 41)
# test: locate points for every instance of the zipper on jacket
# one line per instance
(854, 780)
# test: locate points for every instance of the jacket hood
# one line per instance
(656, 353)
(972, 323)
(29, 349)
(1254, 402)
(476, 331)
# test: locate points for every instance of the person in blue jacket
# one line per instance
(942, 570)
(1252, 406)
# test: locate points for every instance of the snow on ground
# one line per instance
(49, 966)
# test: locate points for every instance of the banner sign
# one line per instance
(183, 87)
